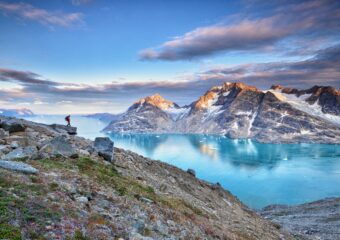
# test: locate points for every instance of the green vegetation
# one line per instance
(24, 203)
(23, 198)
(125, 186)
(9, 232)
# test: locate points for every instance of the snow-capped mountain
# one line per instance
(150, 114)
(240, 111)
(21, 112)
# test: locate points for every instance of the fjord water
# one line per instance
(258, 174)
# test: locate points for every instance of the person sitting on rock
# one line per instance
(68, 120)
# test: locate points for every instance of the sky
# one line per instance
(90, 56)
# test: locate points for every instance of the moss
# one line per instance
(78, 235)
(54, 186)
(182, 206)
(9, 232)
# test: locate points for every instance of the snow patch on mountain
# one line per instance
(300, 103)
(177, 113)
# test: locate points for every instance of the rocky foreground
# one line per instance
(315, 220)
(56, 185)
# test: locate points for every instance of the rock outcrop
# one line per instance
(104, 147)
(64, 129)
(12, 125)
(236, 110)
(86, 197)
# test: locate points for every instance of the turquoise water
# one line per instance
(258, 174)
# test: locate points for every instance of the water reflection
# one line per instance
(140, 141)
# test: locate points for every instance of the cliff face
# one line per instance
(241, 111)
(62, 188)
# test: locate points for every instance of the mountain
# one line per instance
(149, 114)
(22, 112)
(240, 111)
(325, 99)
(104, 117)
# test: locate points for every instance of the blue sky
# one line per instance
(82, 56)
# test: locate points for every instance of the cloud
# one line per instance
(304, 19)
(246, 35)
(322, 69)
(45, 17)
(80, 2)
(23, 77)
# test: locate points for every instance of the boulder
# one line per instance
(14, 144)
(18, 166)
(30, 152)
(5, 149)
(58, 146)
(3, 133)
(104, 147)
(191, 172)
(19, 141)
(12, 125)
(64, 129)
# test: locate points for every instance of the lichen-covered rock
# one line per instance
(30, 152)
(3, 133)
(64, 129)
(104, 147)
(12, 125)
(58, 146)
(18, 166)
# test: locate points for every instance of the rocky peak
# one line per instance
(315, 90)
(155, 100)
(227, 86)
(211, 97)
(206, 100)
(318, 90)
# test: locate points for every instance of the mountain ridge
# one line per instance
(237, 110)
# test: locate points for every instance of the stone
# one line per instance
(14, 144)
(3, 133)
(104, 147)
(58, 146)
(146, 200)
(191, 172)
(82, 199)
(18, 166)
(64, 129)
(25, 153)
(5, 149)
(12, 125)
(19, 141)
(216, 186)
